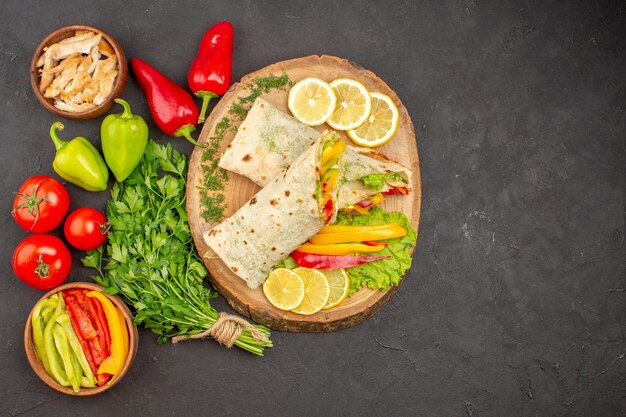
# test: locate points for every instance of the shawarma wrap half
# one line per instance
(290, 209)
(367, 172)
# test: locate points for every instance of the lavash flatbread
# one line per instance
(274, 222)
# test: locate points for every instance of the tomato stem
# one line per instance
(31, 203)
(43, 269)
(104, 227)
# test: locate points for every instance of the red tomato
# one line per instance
(42, 261)
(40, 204)
(86, 228)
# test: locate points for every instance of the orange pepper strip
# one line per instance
(357, 236)
(339, 228)
(125, 340)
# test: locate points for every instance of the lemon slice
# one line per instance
(311, 101)
(339, 284)
(316, 291)
(381, 124)
(284, 289)
(353, 104)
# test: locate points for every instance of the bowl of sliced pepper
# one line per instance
(79, 340)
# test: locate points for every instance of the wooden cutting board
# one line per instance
(238, 190)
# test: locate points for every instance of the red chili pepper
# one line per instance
(396, 190)
(101, 324)
(211, 71)
(79, 318)
(310, 260)
(172, 108)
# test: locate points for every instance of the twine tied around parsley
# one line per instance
(226, 330)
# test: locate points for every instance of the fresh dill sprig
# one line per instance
(215, 178)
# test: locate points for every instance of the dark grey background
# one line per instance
(515, 304)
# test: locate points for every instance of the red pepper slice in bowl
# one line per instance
(79, 317)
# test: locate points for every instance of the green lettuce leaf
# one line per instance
(288, 263)
(377, 181)
(381, 275)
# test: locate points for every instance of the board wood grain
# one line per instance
(401, 148)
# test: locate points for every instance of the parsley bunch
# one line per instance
(150, 259)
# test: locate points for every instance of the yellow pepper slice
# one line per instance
(125, 339)
(358, 236)
(330, 183)
(115, 362)
(359, 209)
(339, 228)
(333, 151)
(377, 199)
(340, 248)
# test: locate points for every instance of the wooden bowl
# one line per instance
(118, 87)
(37, 366)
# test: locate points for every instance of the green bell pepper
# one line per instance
(79, 162)
(124, 139)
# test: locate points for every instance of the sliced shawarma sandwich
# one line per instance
(369, 176)
(291, 208)
(268, 141)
